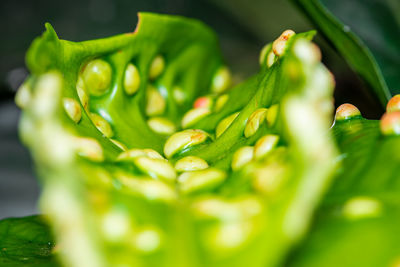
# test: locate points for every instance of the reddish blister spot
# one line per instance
(393, 104)
(202, 102)
(196, 137)
(390, 123)
(346, 111)
(286, 34)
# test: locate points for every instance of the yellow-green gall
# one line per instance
(182, 140)
(221, 80)
(224, 124)
(362, 207)
(193, 116)
(221, 101)
(271, 115)
(156, 168)
(131, 79)
(102, 125)
(89, 148)
(155, 104)
(97, 77)
(161, 125)
(190, 163)
(242, 156)
(73, 109)
(196, 181)
(157, 67)
(81, 91)
(264, 145)
(254, 121)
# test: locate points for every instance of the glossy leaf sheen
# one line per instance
(26, 242)
(371, 168)
(353, 48)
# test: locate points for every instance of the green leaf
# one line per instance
(26, 242)
(133, 209)
(337, 241)
(364, 36)
(344, 233)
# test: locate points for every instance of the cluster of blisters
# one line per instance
(360, 207)
(205, 105)
(389, 123)
(195, 175)
(146, 174)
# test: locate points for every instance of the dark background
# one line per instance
(243, 27)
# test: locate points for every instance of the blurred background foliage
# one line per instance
(243, 27)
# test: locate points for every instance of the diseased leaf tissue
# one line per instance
(151, 156)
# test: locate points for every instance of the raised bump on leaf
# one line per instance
(390, 123)
(102, 125)
(149, 189)
(254, 121)
(23, 96)
(136, 152)
(195, 181)
(157, 67)
(193, 116)
(221, 101)
(229, 237)
(81, 91)
(362, 207)
(73, 109)
(190, 163)
(221, 80)
(89, 148)
(224, 124)
(346, 111)
(270, 178)
(242, 156)
(131, 79)
(228, 210)
(264, 145)
(182, 140)
(157, 168)
(308, 52)
(178, 94)
(115, 225)
(272, 114)
(161, 125)
(393, 104)
(270, 59)
(148, 240)
(203, 102)
(97, 76)
(155, 104)
(279, 45)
